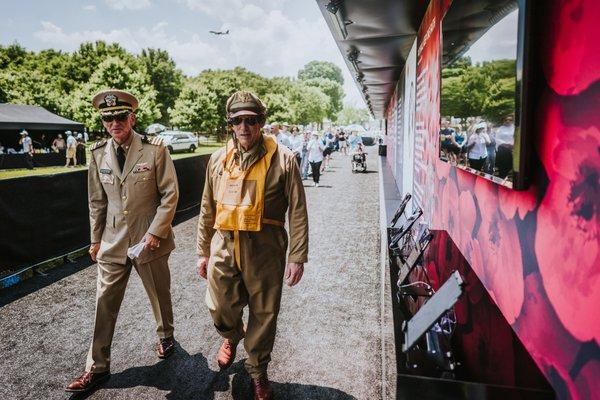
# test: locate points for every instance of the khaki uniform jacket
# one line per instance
(283, 190)
(126, 205)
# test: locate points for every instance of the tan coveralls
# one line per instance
(258, 281)
(124, 206)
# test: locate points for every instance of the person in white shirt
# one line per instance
(27, 148)
(315, 149)
(296, 144)
(476, 148)
(505, 141)
(71, 149)
(281, 138)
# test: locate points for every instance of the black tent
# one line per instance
(19, 116)
(42, 126)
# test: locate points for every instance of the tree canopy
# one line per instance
(486, 89)
(64, 83)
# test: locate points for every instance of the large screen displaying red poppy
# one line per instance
(537, 251)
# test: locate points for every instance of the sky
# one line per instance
(499, 42)
(269, 37)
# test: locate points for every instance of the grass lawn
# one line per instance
(18, 173)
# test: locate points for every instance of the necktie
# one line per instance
(121, 157)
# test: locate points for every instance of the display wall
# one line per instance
(536, 251)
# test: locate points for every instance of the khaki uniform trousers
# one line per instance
(257, 283)
(111, 284)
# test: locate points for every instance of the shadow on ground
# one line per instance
(187, 376)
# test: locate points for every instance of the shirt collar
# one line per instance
(125, 145)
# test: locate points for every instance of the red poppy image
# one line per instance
(465, 180)
(571, 48)
(539, 329)
(513, 201)
(501, 252)
(467, 214)
(587, 381)
(449, 208)
(568, 222)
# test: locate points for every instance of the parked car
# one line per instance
(370, 138)
(179, 141)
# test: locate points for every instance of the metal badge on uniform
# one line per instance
(105, 171)
(142, 167)
(107, 177)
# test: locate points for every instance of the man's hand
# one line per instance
(94, 247)
(202, 266)
(151, 242)
(293, 273)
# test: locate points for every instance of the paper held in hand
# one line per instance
(137, 250)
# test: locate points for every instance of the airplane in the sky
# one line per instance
(220, 32)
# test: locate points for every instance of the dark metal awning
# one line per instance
(375, 37)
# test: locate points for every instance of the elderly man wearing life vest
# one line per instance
(250, 185)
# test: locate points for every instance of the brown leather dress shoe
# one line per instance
(164, 348)
(88, 381)
(262, 388)
(226, 354)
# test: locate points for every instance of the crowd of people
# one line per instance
(313, 148)
(479, 144)
(73, 147)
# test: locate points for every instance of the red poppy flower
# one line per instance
(571, 48)
(587, 381)
(467, 213)
(501, 252)
(442, 169)
(449, 208)
(513, 201)
(539, 329)
(568, 221)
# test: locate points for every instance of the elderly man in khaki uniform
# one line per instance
(132, 189)
(242, 242)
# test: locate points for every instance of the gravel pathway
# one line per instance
(327, 345)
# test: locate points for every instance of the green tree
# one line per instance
(115, 73)
(321, 69)
(31, 87)
(196, 109)
(87, 59)
(486, 89)
(279, 108)
(308, 103)
(165, 77)
(13, 55)
(332, 89)
(352, 115)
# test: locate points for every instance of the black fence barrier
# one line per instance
(42, 217)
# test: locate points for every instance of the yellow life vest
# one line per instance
(240, 196)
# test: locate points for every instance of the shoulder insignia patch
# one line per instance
(98, 144)
(155, 141)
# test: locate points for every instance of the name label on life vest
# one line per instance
(239, 192)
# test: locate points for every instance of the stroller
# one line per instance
(359, 161)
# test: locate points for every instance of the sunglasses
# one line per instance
(115, 117)
(238, 120)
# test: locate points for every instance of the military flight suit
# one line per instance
(258, 280)
(124, 206)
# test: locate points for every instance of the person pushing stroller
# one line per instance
(359, 159)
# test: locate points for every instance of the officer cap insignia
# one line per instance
(113, 101)
(98, 144)
(110, 100)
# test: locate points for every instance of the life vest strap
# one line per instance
(273, 222)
